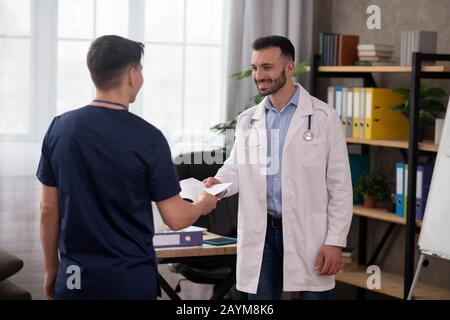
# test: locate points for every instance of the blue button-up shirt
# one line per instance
(277, 123)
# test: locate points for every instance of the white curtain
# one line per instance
(43, 45)
(247, 20)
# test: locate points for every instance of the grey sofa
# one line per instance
(10, 265)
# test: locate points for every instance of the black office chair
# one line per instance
(222, 221)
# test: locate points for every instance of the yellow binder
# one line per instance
(380, 122)
(356, 112)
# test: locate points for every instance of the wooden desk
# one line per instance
(196, 254)
(204, 250)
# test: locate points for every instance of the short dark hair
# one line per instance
(287, 49)
(109, 56)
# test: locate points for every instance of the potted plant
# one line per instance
(431, 107)
(372, 187)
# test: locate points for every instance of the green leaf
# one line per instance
(300, 69)
(222, 127)
(435, 93)
(255, 99)
(432, 105)
(425, 114)
(422, 87)
(398, 107)
(403, 91)
(242, 75)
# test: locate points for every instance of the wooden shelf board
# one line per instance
(391, 284)
(380, 214)
(428, 146)
(382, 69)
(403, 144)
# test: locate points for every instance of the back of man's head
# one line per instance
(109, 57)
(285, 45)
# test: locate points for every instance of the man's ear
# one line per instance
(290, 67)
(131, 76)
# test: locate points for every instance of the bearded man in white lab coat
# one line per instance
(289, 163)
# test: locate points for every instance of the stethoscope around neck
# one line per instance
(307, 135)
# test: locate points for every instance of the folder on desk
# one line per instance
(380, 121)
(356, 118)
(399, 185)
(349, 112)
(178, 239)
(220, 241)
(424, 174)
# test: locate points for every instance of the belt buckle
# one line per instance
(275, 222)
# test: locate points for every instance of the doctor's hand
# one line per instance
(329, 260)
(209, 182)
(207, 202)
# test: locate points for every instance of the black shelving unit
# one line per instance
(411, 157)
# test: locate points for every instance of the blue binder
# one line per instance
(400, 189)
(178, 239)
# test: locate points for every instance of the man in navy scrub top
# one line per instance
(100, 168)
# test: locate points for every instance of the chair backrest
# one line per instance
(223, 220)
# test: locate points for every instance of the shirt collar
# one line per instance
(293, 102)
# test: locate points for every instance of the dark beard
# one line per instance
(277, 85)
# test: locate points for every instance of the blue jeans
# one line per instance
(270, 284)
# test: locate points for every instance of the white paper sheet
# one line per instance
(191, 188)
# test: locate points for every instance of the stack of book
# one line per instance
(374, 55)
(416, 41)
(338, 49)
(347, 255)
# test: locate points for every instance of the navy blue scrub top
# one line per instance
(107, 165)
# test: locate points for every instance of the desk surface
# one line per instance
(204, 250)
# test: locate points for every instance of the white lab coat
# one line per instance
(316, 193)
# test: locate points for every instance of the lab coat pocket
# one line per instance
(317, 225)
(313, 153)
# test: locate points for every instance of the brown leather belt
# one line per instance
(275, 223)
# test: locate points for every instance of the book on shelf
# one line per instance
(338, 49)
(374, 58)
(374, 53)
(375, 63)
(375, 46)
(416, 41)
(347, 255)
(347, 54)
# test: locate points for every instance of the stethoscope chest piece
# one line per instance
(308, 135)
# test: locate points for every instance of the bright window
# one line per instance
(15, 66)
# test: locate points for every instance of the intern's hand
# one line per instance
(209, 182)
(49, 285)
(207, 202)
